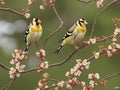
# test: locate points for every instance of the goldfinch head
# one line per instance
(81, 22)
(36, 21)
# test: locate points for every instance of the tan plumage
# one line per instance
(74, 35)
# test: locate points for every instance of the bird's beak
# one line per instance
(39, 21)
(85, 22)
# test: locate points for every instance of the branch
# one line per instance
(97, 16)
(4, 67)
(80, 47)
(70, 55)
(88, 60)
(85, 1)
(50, 87)
(32, 69)
(63, 61)
(58, 29)
(55, 64)
(110, 76)
(8, 85)
(11, 10)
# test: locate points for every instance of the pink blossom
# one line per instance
(41, 53)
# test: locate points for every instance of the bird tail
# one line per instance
(58, 50)
(60, 41)
(26, 49)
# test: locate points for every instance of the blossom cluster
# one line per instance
(116, 32)
(92, 41)
(18, 56)
(70, 84)
(42, 84)
(111, 50)
(41, 54)
(43, 64)
(27, 10)
(46, 3)
(74, 82)
(114, 47)
(78, 68)
(92, 81)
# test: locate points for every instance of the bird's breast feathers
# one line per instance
(36, 28)
(33, 37)
(81, 30)
(34, 34)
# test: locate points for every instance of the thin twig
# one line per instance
(63, 61)
(54, 80)
(31, 69)
(85, 1)
(97, 16)
(110, 76)
(93, 57)
(58, 29)
(50, 87)
(4, 67)
(11, 10)
(8, 85)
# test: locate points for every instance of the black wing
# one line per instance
(69, 33)
(27, 32)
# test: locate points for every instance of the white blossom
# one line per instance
(97, 75)
(44, 65)
(19, 67)
(85, 63)
(12, 70)
(110, 47)
(117, 30)
(109, 54)
(90, 76)
(40, 84)
(68, 86)
(93, 41)
(97, 54)
(13, 73)
(67, 74)
(114, 39)
(72, 71)
(12, 61)
(77, 73)
(27, 15)
(61, 83)
(92, 83)
(99, 3)
(42, 7)
(117, 45)
(30, 2)
(82, 83)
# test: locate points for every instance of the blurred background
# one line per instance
(12, 30)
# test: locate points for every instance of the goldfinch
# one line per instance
(33, 33)
(74, 35)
